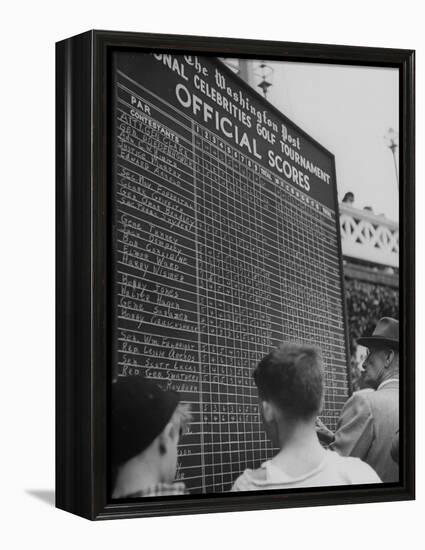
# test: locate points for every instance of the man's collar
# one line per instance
(388, 381)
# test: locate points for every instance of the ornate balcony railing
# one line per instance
(366, 236)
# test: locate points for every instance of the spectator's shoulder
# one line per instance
(354, 470)
(360, 400)
(374, 398)
(249, 478)
(365, 392)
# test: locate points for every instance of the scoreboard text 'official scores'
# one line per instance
(240, 107)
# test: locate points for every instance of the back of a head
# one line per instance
(140, 411)
(291, 377)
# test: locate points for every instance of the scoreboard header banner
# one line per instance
(206, 91)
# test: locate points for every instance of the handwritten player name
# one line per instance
(149, 126)
(132, 254)
(153, 351)
(175, 258)
(152, 154)
(182, 387)
(129, 315)
(181, 382)
(134, 311)
(168, 274)
(134, 289)
(151, 362)
(172, 217)
(138, 264)
(166, 312)
(129, 295)
(159, 193)
(154, 200)
(171, 375)
(157, 340)
(159, 161)
(155, 144)
(162, 170)
(161, 307)
(160, 317)
(156, 237)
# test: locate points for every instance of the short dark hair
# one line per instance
(139, 413)
(291, 377)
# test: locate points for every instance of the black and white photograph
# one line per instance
(211, 236)
(254, 275)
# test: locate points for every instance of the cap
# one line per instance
(140, 411)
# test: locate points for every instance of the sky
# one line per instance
(349, 110)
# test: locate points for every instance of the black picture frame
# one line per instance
(83, 247)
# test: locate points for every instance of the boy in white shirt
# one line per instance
(290, 388)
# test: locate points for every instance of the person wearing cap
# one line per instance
(370, 419)
(290, 382)
(146, 423)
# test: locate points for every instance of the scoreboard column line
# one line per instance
(201, 428)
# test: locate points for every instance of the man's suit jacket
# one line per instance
(366, 427)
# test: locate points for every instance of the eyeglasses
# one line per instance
(369, 353)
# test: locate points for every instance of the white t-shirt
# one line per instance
(333, 470)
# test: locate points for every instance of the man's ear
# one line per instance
(268, 411)
(389, 358)
(167, 437)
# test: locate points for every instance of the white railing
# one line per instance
(366, 236)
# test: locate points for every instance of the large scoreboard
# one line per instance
(225, 243)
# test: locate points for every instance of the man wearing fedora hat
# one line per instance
(370, 419)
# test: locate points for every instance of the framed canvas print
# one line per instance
(235, 282)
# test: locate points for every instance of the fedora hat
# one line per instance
(385, 333)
